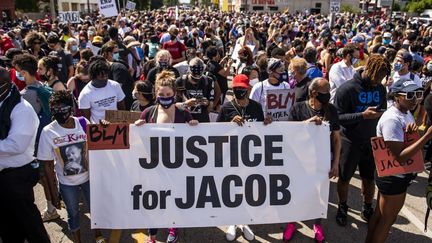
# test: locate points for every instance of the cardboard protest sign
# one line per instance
(122, 116)
(108, 8)
(279, 103)
(387, 165)
(176, 175)
(112, 136)
(70, 16)
(130, 5)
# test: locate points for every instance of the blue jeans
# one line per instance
(71, 198)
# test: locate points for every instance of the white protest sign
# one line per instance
(278, 103)
(108, 8)
(335, 6)
(130, 5)
(237, 48)
(177, 175)
(70, 16)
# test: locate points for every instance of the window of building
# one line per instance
(65, 6)
(317, 5)
(258, 8)
(274, 8)
(83, 7)
(74, 6)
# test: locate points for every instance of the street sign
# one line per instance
(334, 6)
(69, 16)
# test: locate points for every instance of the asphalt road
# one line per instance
(408, 227)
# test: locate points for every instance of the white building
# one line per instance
(314, 6)
(77, 5)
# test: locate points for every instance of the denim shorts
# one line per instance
(71, 197)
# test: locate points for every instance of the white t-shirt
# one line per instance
(392, 125)
(407, 76)
(259, 91)
(68, 148)
(98, 100)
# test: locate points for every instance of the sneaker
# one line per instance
(289, 231)
(48, 216)
(367, 213)
(172, 235)
(319, 233)
(341, 215)
(231, 233)
(248, 233)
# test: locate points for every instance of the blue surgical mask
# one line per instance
(116, 56)
(74, 48)
(397, 66)
(386, 41)
(19, 76)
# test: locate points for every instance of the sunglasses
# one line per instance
(413, 94)
(61, 109)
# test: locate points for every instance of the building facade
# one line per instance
(77, 5)
(7, 8)
(313, 6)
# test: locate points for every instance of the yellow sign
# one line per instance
(225, 6)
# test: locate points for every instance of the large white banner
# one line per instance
(108, 8)
(279, 103)
(176, 175)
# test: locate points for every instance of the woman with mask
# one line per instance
(275, 68)
(73, 49)
(393, 126)
(241, 109)
(67, 155)
(245, 58)
(317, 109)
(143, 93)
(163, 61)
(48, 71)
(165, 111)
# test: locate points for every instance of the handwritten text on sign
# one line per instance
(112, 136)
(279, 103)
(114, 116)
(71, 16)
(387, 165)
(108, 8)
(212, 174)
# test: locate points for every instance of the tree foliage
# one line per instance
(418, 6)
(27, 5)
(349, 8)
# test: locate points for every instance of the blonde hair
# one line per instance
(299, 64)
(163, 53)
(165, 79)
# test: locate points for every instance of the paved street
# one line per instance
(408, 228)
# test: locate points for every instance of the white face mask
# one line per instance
(254, 81)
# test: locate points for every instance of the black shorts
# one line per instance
(353, 155)
(392, 185)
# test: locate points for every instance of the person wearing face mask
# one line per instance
(392, 127)
(343, 71)
(71, 165)
(318, 109)
(241, 110)
(73, 49)
(101, 93)
(143, 93)
(119, 71)
(34, 41)
(48, 71)
(252, 73)
(7, 60)
(275, 68)
(401, 68)
(196, 91)
(194, 40)
(359, 41)
(163, 61)
(245, 58)
(66, 68)
(297, 70)
(360, 103)
(19, 171)
(175, 47)
(165, 111)
(220, 68)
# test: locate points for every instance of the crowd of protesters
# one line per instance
(365, 76)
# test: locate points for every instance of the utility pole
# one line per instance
(52, 10)
(88, 6)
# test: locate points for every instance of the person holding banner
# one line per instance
(393, 126)
(318, 109)
(165, 111)
(241, 109)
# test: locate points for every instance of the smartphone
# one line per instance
(381, 108)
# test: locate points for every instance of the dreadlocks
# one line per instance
(377, 67)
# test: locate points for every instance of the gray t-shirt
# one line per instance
(32, 97)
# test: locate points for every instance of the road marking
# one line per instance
(413, 219)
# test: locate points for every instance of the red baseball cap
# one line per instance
(240, 81)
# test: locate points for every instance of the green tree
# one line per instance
(27, 5)
(418, 6)
(396, 7)
(349, 8)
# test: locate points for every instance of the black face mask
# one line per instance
(44, 77)
(62, 114)
(240, 93)
(173, 37)
(323, 98)
(99, 83)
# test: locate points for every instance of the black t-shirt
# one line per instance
(302, 89)
(203, 89)
(154, 71)
(252, 112)
(63, 66)
(214, 68)
(137, 107)
(119, 72)
(76, 58)
(302, 111)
